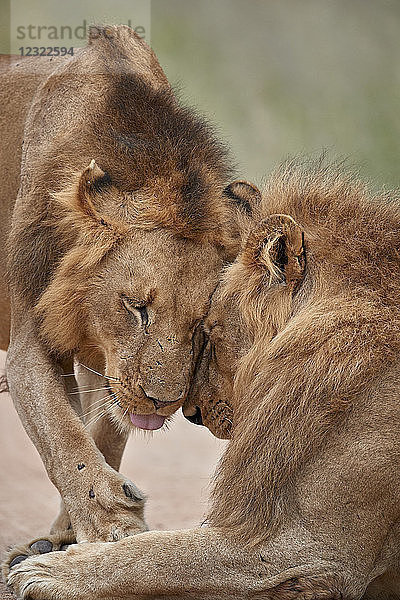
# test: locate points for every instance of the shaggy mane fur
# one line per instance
(161, 159)
(314, 351)
(163, 156)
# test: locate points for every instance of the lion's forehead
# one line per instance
(158, 257)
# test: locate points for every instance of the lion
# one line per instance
(118, 220)
(306, 498)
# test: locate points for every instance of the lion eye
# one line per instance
(136, 309)
(144, 315)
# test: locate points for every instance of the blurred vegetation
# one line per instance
(277, 77)
(282, 77)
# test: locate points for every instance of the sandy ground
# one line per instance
(173, 468)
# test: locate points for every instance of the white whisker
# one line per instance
(122, 418)
(99, 374)
(97, 418)
(100, 406)
(95, 410)
(102, 389)
(100, 400)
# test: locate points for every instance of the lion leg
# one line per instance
(89, 406)
(199, 563)
(61, 526)
(108, 440)
(105, 435)
(101, 503)
(61, 532)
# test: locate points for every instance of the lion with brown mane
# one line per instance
(306, 498)
(118, 219)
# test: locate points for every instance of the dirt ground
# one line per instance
(173, 468)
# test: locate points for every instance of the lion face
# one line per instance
(210, 400)
(223, 337)
(143, 313)
(250, 306)
(135, 284)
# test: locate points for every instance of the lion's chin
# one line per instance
(148, 422)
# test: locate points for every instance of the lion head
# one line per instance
(223, 337)
(119, 255)
(129, 296)
(316, 293)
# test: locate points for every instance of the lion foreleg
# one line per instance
(102, 504)
(198, 563)
(91, 407)
(109, 440)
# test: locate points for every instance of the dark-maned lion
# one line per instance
(116, 241)
(307, 496)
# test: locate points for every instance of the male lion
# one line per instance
(117, 237)
(307, 496)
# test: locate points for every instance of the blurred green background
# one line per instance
(277, 77)
(290, 76)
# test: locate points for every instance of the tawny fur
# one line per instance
(118, 191)
(315, 349)
(306, 500)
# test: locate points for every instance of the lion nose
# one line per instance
(161, 403)
(197, 418)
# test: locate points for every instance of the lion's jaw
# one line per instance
(134, 401)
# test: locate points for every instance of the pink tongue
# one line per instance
(147, 421)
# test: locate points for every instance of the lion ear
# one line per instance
(243, 200)
(246, 196)
(281, 249)
(93, 180)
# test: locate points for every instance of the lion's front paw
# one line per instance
(70, 575)
(114, 509)
(42, 545)
(37, 578)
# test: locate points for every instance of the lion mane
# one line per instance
(163, 157)
(317, 286)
